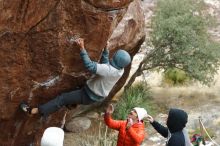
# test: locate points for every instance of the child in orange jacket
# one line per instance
(131, 131)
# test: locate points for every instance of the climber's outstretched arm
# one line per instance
(88, 63)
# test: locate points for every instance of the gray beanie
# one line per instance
(121, 59)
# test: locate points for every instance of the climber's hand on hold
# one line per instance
(106, 46)
(80, 43)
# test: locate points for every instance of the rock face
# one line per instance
(78, 124)
(38, 62)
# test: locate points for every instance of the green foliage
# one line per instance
(175, 76)
(137, 95)
(180, 40)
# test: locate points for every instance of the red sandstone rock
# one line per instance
(38, 63)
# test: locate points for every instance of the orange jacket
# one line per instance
(126, 137)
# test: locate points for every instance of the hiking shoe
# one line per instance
(25, 107)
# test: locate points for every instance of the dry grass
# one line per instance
(97, 135)
(188, 96)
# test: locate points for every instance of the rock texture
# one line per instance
(78, 124)
(38, 62)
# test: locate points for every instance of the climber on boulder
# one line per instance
(105, 75)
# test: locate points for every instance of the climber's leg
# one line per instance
(73, 97)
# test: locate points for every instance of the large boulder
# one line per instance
(38, 62)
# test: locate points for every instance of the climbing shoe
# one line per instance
(25, 107)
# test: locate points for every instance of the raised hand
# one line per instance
(107, 45)
(150, 118)
(129, 123)
(80, 43)
(110, 109)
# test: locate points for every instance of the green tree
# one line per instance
(180, 39)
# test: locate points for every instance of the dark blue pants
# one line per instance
(69, 98)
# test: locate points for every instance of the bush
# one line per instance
(175, 76)
(137, 95)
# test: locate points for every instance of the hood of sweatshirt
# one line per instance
(177, 120)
